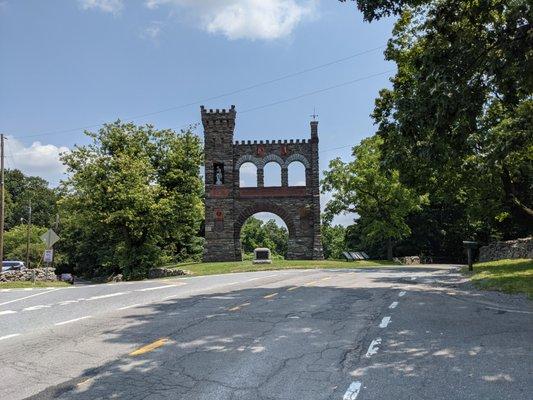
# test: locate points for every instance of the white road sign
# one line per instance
(48, 255)
(49, 238)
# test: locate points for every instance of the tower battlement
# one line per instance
(218, 117)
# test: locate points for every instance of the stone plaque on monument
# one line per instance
(262, 256)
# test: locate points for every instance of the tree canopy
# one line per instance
(257, 233)
(333, 240)
(20, 190)
(133, 200)
(15, 244)
(362, 187)
(457, 123)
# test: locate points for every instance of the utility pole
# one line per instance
(28, 237)
(56, 227)
(2, 197)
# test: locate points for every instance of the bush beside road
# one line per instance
(510, 276)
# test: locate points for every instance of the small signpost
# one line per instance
(470, 247)
(49, 238)
(48, 255)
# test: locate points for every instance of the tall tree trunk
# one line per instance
(389, 249)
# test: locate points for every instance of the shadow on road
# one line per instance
(310, 343)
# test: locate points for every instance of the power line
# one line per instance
(254, 86)
(309, 94)
(315, 92)
(336, 148)
(11, 156)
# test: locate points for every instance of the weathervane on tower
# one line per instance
(314, 115)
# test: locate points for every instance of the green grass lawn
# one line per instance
(510, 276)
(247, 266)
(27, 284)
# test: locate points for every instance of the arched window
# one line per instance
(272, 174)
(248, 175)
(296, 173)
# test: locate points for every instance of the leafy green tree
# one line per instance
(20, 190)
(15, 242)
(256, 233)
(361, 186)
(333, 241)
(457, 121)
(132, 200)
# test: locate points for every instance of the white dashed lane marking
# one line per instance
(64, 303)
(384, 322)
(9, 336)
(353, 391)
(394, 304)
(155, 288)
(72, 320)
(7, 312)
(27, 297)
(105, 296)
(373, 348)
(131, 306)
(34, 308)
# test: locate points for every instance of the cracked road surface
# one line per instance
(383, 333)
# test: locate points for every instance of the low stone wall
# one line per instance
(519, 248)
(41, 274)
(165, 272)
(408, 260)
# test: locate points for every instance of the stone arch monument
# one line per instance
(227, 205)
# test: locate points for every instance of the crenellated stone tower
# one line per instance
(227, 205)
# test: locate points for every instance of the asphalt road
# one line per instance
(387, 333)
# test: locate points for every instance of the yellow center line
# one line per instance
(326, 278)
(311, 283)
(236, 308)
(269, 296)
(292, 288)
(150, 347)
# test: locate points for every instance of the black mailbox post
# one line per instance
(470, 247)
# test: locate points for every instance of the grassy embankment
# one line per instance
(212, 268)
(27, 284)
(510, 276)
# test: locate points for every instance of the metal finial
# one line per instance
(314, 115)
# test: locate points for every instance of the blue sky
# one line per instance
(69, 64)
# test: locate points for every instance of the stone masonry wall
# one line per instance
(519, 248)
(227, 206)
(41, 274)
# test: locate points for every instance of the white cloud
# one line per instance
(108, 6)
(36, 160)
(152, 31)
(246, 19)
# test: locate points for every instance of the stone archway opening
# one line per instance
(280, 216)
(264, 229)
